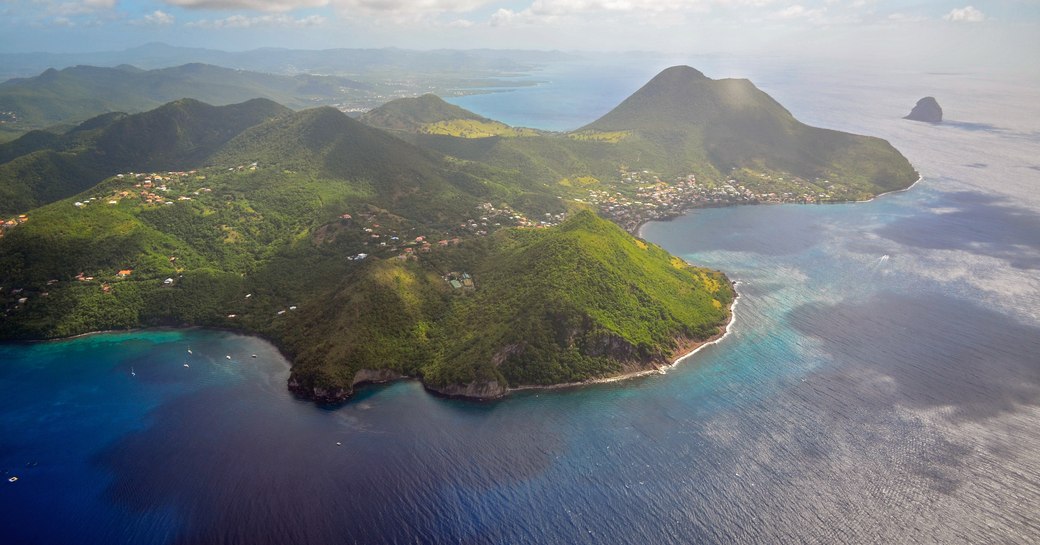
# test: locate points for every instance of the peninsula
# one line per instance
(444, 246)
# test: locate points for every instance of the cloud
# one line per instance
(65, 9)
(672, 11)
(157, 17)
(967, 14)
(255, 5)
(347, 7)
(242, 21)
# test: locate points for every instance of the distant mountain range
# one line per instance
(449, 247)
(341, 62)
(77, 93)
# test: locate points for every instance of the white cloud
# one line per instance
(242, 21)
(347, 7)
(256, 5)
(967, 14)
(64, 9)
(157, 17)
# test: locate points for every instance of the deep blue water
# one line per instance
(859, 399)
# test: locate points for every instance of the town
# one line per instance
(639, 197)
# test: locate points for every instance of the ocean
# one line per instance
(880, 384)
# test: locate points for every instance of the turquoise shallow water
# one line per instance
(859, 398)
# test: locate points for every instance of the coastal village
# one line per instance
(639, 197)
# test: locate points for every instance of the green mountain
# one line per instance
(80, 92)
(41, 167)
(717, 127)
(680, 123)
(429, 114)
(362, 256)
(580, 301)
(412, 114)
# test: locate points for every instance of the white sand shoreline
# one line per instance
(659, 371)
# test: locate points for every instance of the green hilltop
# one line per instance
(411, 114)
(430, 115)
(727, 125)
(580, 301)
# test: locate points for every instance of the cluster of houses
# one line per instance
(460, 281)
(150, 188)
(492, 218)
(645, 197)
(11, 223)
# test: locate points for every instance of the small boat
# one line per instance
(189, 351)
(254, 355)
(186, 365)
(12, 480)
(132, 373)
(228, 356)
(339, 444)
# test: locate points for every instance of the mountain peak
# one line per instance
(679, 73)
(412, 113)
(681, 97)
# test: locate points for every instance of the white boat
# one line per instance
(189, 351)
(132, 373)
(254, 355)
(186, 365)
(12, 479)
(228, 357)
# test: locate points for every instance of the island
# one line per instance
(927, 109)
(476, 257)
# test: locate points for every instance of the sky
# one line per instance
(976, 31)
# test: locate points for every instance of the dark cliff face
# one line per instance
(927, 109)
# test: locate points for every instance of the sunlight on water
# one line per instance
(880, 385)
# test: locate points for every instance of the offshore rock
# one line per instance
(927, 109)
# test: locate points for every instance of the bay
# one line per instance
(880, 383)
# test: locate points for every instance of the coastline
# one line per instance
(920, 177)
(693, 348)
(638, 231)
(696, 347)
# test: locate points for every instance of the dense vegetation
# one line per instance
(566, 304)
(41, 167)
(366, 257)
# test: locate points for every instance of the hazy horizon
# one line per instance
(937, 35)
